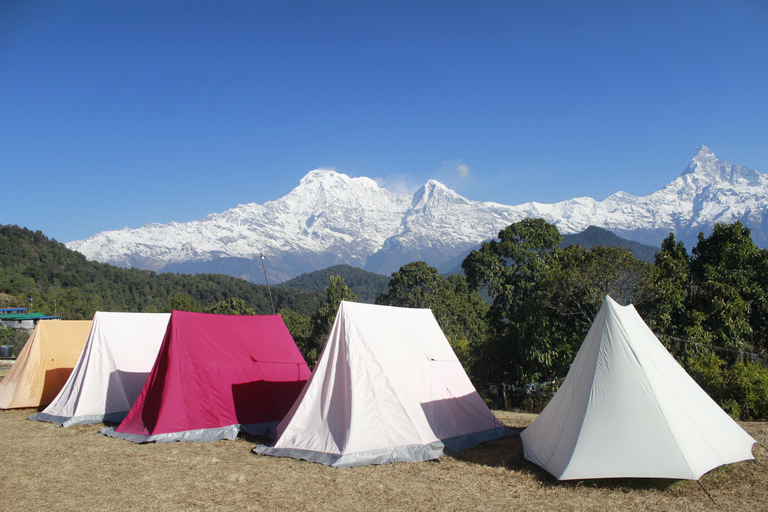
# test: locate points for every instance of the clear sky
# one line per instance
(121, 113)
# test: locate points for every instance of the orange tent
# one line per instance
(44, 364)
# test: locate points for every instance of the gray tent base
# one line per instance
(68, 421)
(408, 453)
(205, 434)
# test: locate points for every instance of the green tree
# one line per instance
(728, 270)
(300, 327)
(231, 306)
(583, 278)
(526, 344)
(322, 321)
(415, 285)
(183, 302)
(669, 312)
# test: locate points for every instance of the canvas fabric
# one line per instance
(113, 367)
(213, 375)
(44, 364)
(628, 409)
(387, 387)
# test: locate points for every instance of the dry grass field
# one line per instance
(45, 467)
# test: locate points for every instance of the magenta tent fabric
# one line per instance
(213, 375)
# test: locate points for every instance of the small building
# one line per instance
(12, 311)
(10, 317)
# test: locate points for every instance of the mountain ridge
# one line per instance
(331, 219)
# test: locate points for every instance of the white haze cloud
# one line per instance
(398, 183)
(450, 174)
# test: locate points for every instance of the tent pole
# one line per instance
(267, 279)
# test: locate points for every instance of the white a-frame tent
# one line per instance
(113, 367)
(387, 388)
(628, 409)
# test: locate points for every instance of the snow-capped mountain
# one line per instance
(331, 218)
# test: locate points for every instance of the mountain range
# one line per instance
(332, 219)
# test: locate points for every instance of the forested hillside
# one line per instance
(63, 282)
(366, 285)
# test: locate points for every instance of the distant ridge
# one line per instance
(588, 238)
(593, 236)
(366, 285)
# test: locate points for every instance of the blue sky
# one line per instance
(122, 113)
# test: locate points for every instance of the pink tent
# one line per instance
(213, 375)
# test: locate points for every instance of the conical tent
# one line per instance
(628, 409)
(214, 374)
(112, 369)
(44, 364)
(387, 388)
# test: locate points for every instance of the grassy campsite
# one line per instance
(539, 304)
(49, 468)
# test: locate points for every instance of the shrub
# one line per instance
(707, 370)
(17, 338)
(747, 385)
(741, 389)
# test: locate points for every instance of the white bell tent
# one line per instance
(628, 409)
(387, 388)
(113, 367)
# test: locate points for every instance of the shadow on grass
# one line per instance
(508, 453)
(253, 439)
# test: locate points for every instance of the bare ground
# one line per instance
(45, 467)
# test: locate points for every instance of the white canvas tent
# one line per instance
(387, 388)
(628, 409)
(113, 367)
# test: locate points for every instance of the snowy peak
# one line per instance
(326, 179)
(434, 193)
(322, 188)
(706, 166)
(331, 218)
(703, 161)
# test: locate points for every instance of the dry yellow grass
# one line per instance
(44, 467)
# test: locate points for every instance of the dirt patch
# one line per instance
(44, 467)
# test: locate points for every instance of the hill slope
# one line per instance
(62, 281)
